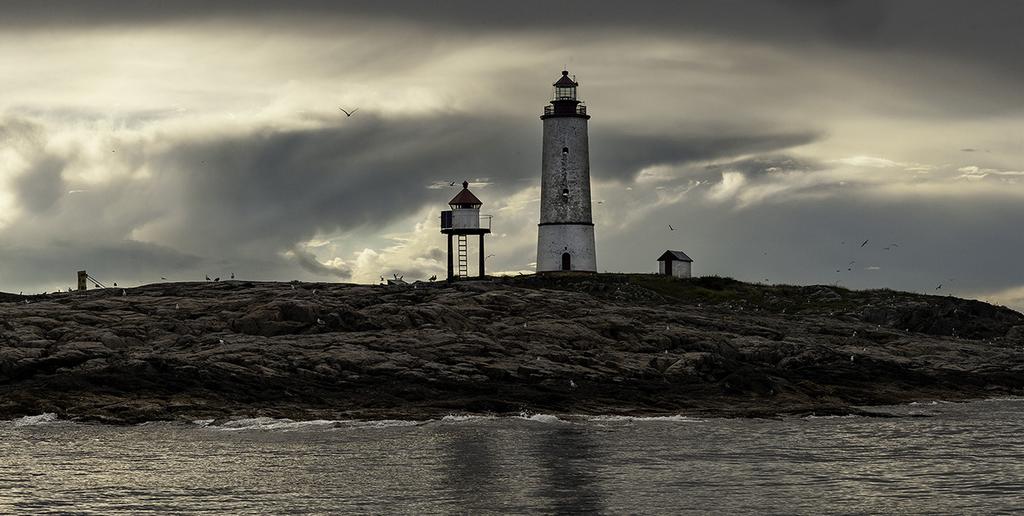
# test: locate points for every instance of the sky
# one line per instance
(142, 140)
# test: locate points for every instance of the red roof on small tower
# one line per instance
(465, 197)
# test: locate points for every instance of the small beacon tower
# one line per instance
(461, 221)
(565, 235)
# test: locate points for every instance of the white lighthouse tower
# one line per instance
(565, 235)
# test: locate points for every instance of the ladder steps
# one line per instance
(463, 256)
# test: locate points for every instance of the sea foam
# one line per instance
(287, 425)
(269, 423)
(541, 418)
(644, 419)
(41, 419)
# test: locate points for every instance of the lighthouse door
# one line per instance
(566, 262)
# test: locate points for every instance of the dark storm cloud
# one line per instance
(308, 261)
(38, 188)
(978, 32)
(768, 164)
(621, 156)
(55, 262)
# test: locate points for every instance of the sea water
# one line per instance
(933, 458)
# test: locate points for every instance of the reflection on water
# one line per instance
(963, 458)
(552, 465)
(470, 470)
(570, 460)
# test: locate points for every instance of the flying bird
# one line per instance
(670, 228)
(217, 278)
(433, 278)
(163, 278)
(208, 278)
(864, 243)
(451, 183)
(938, 287)
(232, 275)
(348, 113)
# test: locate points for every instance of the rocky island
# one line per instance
(587, 344)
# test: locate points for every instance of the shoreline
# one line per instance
(249, 422)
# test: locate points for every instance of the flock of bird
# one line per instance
(849, 266)
(214, 279)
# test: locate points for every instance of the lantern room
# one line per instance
(565, 88)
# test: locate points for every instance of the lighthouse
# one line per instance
(459, 223)
(565, 235)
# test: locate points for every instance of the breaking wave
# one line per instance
(541, 418)
(463, 418)
(269, 423)
(41, 419)
(287, 425)
(642, 419)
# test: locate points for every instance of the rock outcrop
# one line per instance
(622, 344)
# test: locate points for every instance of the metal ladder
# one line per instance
(463, 257)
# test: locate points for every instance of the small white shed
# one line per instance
(674, 263)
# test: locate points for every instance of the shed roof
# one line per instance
(464, 197)
(674, 256)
